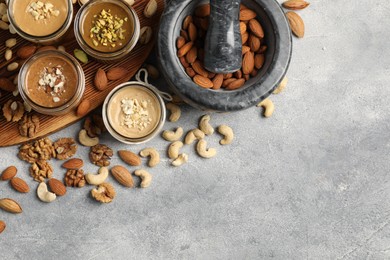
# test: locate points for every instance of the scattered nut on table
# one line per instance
(203, 151)
(281, 86)
(227, 133)
(40, 170)
(42, 149)
(45, 195)
(97, 179)
(175, 112)
(192, 135)
(268, 106)
(100, 155)
(173, 149)
(173, 135)
(180, 160)
(65, 148)
(85, 140)
(154, 156)
(75, 178)
(104, 193)
(205, 126)
(146, 178)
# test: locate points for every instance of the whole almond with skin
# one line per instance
(183, 50)
(295, 4)
(122, 175)
(83, 108)
(226, 82)
(180, 42)
(116, 73)
(217, 81)
(190, 72)
(73, 164)
(248, 63)
(256, 28)
(245, 49)
(259, 61)
(254, 43)
(19, 185)
(129, 157)
(242, 27)
(187, 22)
(2, 226)
(100, 81)
(57, 187)
(192, 32)
(227, 76)
(204, 82)
(9, 173)
(198, 67)
(184, 34)
(10, 206)
(247, 14)
(184, 62)
(192, 55)
(27, 51)
(202, 10)
(235, 84)
(7, 85)
(244, 37)
(296, 24)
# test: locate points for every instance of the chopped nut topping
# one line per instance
(52, 81)
(107, 29)
(42, 11)
(135, 113)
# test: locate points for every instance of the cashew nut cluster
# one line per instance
(146, 178)
(175, 112)
(173, 135)
(268, 106)
(154, 156)
(193, 135)
(180, 160)
(97, 179)
(202, 150)
(281, 86)
(85, 140)
(173, 149)
(45, 195)
(227, 133)
(205, 126)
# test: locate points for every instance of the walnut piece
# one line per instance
(42, 149)
(104, 193)
(100, 155)
(29, 126)
(65, 148)
(75, 178)
(13, 110)
(40, 170)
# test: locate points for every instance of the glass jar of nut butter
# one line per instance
(51, 82)
(106, 30)
(41, 21)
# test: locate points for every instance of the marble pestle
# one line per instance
(223, 46)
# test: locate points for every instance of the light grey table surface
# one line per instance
(312, 182)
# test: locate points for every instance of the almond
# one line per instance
(262, 49)
(187, 22)
(9, 173)
(57, 187)
(256, 28)
(183, 50)
(184, 62)
(247, 14)
(190, 72)
(180, 42)
(217, 81)
(204, 82)
(192, 55)
(254, 73)
(116, 73)
(184, 34)
(242, 27)
(238, 74)
(2, 226)
(254, 43)
(122, 175)
(7, 85)
(295, 4)
(296, 24)
(226, 82)
(227, 76)
(19, 185)
(235, 84)
(83, 108)
(10, 206)
(202, 10)
(100, 81)
(26, 51)
(245, 49)
(129, 157)
(73, 164)
(244, 37)
(198, 67)
(259, 61)
(192, 32)
(248, 63)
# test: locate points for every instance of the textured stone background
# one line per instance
(312, 182)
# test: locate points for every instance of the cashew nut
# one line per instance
(97, 179)
(228, 134)
(268, 106)
(180, 160)
(154, 156)
(173, 150)
(202, 150)
(85, 140)
(146, 178)
(193, 135)
(205, 126)
(281, 86)
(175, 112)
(45, 195)
(173, 135)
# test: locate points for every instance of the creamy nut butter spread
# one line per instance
(40, 18)
(134, 111)
(51, 81)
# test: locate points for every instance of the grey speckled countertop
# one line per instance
(312, 182)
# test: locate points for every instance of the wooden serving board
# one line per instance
(9, 132)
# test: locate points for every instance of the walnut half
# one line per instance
(13, 110)
(100, 155)
(65, 148)
(29, 126)
(104, 193)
